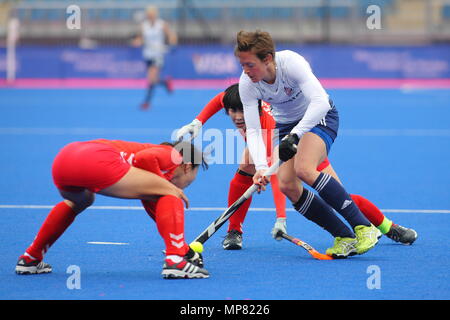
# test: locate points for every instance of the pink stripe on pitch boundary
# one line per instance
(341, 83)
(385, 83)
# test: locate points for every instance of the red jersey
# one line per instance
(159, 159)
(266, 119)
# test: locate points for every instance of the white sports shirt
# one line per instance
(296, 94)
(154, 40)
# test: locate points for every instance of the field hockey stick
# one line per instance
(214, 226)
(304, 245)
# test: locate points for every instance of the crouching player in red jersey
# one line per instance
(155, 174)
(230, 101)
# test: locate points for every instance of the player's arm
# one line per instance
(268, 125)
(138, 39)
(159, 160)
(171, 36)
(254, 133)
(211, 108)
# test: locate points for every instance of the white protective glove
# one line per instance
(192, 128)
(280, 225)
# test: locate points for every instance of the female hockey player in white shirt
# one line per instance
(307, 122)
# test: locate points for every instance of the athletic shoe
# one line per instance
(233, 240)
(195, 258)
(401, 234)
(367, 238)
(145, 106)
(169, 84)
(182, 270)
(342, 248)
(379, 234)
(28, 266)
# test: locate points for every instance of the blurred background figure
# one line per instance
(154, 37)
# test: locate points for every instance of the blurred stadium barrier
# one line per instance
(410, 39)
(402, 21)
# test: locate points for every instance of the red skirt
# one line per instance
(88, 165)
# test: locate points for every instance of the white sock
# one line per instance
(174, 258)
(29, 256)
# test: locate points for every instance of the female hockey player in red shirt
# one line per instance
(155, 174)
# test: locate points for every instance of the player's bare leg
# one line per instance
(312, 152)
(313, 207)
(152, 80)
(144, 185)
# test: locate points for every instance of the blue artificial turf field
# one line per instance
(393, 148)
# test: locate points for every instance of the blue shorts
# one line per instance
(158, 62)
(327, 129)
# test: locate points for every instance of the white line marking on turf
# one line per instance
(137, 208)
(147, 131)
(32, 206)
(396, 132)
(109, 243)
(80, 131)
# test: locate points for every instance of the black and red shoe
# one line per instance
(233, 240)
(401, 234)
(182, 270)
(169, 85)
(145, 106)
(26, 265)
